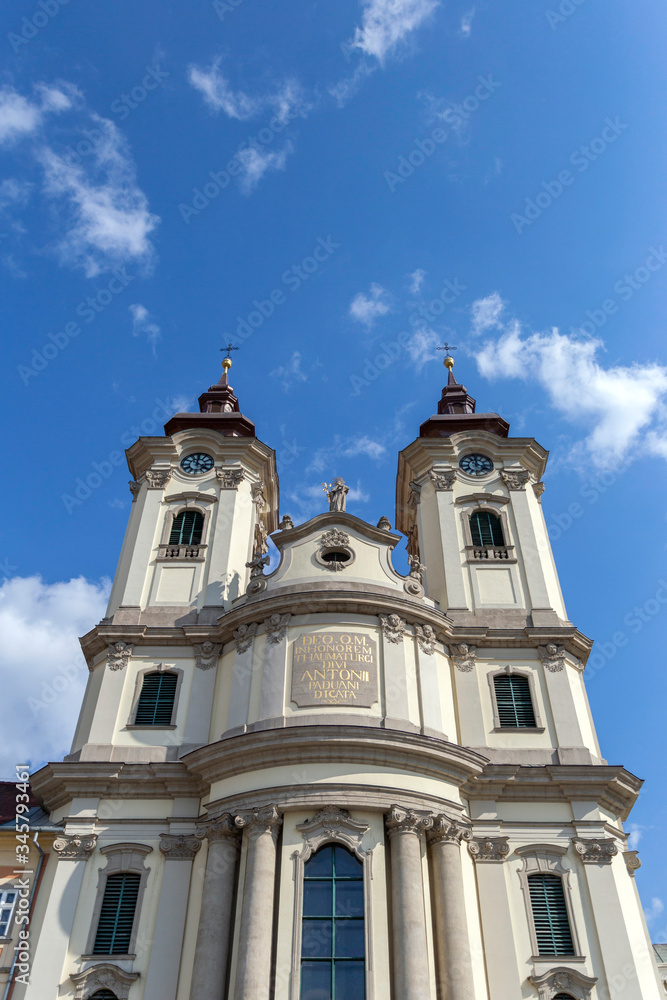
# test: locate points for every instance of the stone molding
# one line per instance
(206, 655)
(134, 489)
(118, 655)
(276, 627)
(222, 828)
(444, 829)
(464, 656)
(331, 823)
(244, 637)
(393, 627)
(594, 850)
(443, 481)
(491, 849)
(157, 479)
(179, 848)
(538, 490)
(265, 819)
(258, 495)
(334, 537)
(426, 638)
(230, 479)
(555, 981)
(552, 657)
(399, 820)
(103, 976)
(414, 499)
(632, 862)
(75, 848)
(515, 479)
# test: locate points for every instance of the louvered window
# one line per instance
(114, 930)
(187, 528)
(486, 529)
(552, 925)
(514, 701)
(156, 701)
(333, 944)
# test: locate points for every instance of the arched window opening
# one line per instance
(550, 917)
(563, 996)
(156, 700)
(114, 930)
(333, 941)
(486, 529)
(187, 528)
(514, 701)
(104, 995)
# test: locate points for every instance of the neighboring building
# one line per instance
(332, 781)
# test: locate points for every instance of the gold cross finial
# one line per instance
(227, 361)
(449, 360)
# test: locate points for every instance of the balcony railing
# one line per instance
(181, 552)
(490, 552)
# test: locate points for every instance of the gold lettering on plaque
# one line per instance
(335, 668)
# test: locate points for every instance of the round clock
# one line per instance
(476, 465)
(195, 464)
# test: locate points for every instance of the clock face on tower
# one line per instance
(476, 465)
(195, 464)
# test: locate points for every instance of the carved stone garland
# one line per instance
(276, 627)
(330, 539)
(393, 627)
(464, 657)
(118, 655)
(553, 657)
(244, 637)
(426, 638)
(206, 655)
(562, 979)
(103, 976)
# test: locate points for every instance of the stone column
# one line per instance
(215, 921)
(453, 961)
(411, 967)
(167, 944)
(49, 958)
(253, 974)
(489, 853)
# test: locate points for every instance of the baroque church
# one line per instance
(327, 780)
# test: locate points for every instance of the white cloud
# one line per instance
(42, 670)
(13, 192)
(105, 213)
(636, 833)
(291, 372)
(367, 308)
(20, 116)
(16, 271)
(654, 910)
(143, 325)
(386, 23)
(255, 163)
(346, 88)
(486, 313)
(466, 22)
(423, 347)
(287, 101)
(365, 446)
(622, 408)
(417, 280)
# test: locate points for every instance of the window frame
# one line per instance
(530, 676)
(8, 887)
(546, 859)
(121, 859)
(180, 504)
(482, 502)
(139, 683)
(332, 825)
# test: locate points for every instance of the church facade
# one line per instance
(331, 781)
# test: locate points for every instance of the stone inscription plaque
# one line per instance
(335, 668)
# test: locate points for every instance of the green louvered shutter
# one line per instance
(486, 528)
(156, 701)
(187, 528)
(117, 915)
(515, 705)
(552, 926)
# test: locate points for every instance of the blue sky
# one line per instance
(396, 173)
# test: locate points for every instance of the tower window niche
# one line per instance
(333, 949)
(157, 698)
(486, 529)
(187, 528)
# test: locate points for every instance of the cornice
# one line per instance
(57, 784)
(328, 519)
(608, 785)
(334, 744)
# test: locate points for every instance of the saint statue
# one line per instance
(336, 492)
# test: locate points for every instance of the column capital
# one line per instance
(222, 828)
(595, 851)
(446, 830)
(399, 820)
(494, 849)
(76, 848)
(179, 848)
(266, 819)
